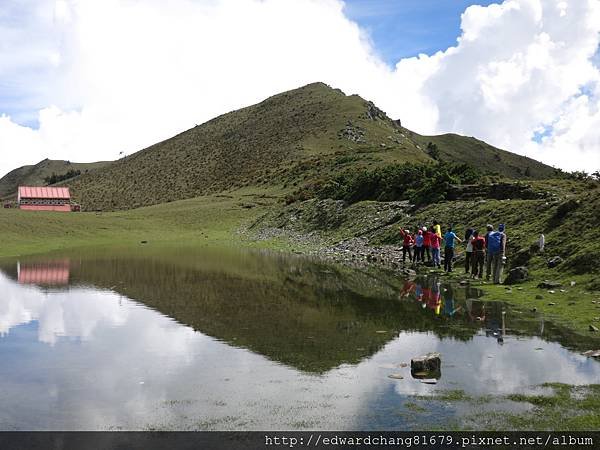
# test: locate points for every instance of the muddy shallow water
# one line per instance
(247, 340)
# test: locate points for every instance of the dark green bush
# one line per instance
(419, 183)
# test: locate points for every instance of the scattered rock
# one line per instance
(539, 297)
(549, 284)
(553, 262)
(517, 275)
(396, 376)
(551, 304)
(551, 292)
(592, 353)
(593, 329)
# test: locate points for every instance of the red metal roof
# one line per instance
(49, 273)
(44, 192)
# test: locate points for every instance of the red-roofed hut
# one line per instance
(44, 198)
(44, 273)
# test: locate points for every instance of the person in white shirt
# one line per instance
(469, 251)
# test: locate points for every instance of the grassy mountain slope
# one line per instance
(292, 139)
(489, 159)
(34, 175)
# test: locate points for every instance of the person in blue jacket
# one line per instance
(450, 239)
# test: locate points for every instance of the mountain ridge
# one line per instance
(303, 136)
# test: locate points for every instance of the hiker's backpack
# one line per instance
(494, 242)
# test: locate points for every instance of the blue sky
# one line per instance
(404, 28)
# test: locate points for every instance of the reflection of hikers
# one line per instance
(427, 243)
(449, 308)
(435, 248)
(407, 243)
(496, 249)
(478, 244)
(435, 300)
(473, 315)
(419, 249)
(450, 241)
(469, 250)
(408, 287)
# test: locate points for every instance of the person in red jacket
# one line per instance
(426, 244)
(407, 244)
(478, 257)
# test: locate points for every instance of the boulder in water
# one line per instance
(426, 367)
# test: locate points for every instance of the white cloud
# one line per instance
(119, 75)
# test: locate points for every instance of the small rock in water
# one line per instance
(533, 309)
(381, 331)
(143, 242)
(572, 303)
(539, 297)
(592, 353)
(551, 304)
(429, 381)
(539, 348)
(593, 328)
(551, 292)
(573, 283)
(562, 290)
(396, 376)
(402, 365)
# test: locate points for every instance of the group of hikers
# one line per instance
(481, 250)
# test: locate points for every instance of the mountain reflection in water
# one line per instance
(226, 340)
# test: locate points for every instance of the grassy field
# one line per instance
(210, 220)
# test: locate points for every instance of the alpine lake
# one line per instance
(214, 339)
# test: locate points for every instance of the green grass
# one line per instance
(461, 149)
(211, 220)
(564, 408)
(568, 408)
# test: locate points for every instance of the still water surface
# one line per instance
(246, 340)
